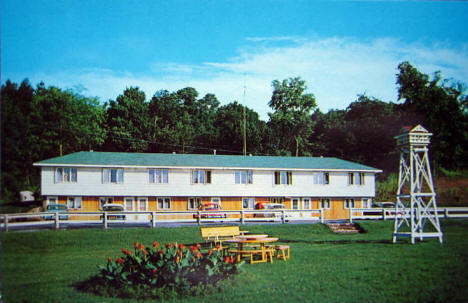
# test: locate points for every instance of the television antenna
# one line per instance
(416, 206)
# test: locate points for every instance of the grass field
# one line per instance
(324, 267)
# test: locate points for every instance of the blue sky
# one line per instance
(341, 48)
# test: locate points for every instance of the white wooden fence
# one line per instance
(389, 213)
(152, 219)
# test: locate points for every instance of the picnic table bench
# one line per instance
(218, 234)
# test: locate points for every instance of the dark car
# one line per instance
(56, 208)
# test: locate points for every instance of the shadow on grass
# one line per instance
(339, 241)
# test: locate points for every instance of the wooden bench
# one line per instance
(219, 233)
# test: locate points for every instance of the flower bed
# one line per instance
(161, 271)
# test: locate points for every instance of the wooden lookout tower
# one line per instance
(416, 207)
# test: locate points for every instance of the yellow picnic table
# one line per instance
(253, 245)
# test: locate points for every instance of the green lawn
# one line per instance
(324, 267)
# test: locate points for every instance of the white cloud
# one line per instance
(335, 69)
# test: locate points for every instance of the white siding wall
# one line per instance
(136, 183)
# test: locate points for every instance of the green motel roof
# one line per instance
(202, 161)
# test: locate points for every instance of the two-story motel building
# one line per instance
(85, 181)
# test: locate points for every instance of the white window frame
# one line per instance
(349, 202)
(139, 200)
(309, 201)
(322, 178)
(367, 201)
(298, 203)
(216, 200)
(164, 201)
(72, 176)
(74, 203)
(243, 177)
(351, 179)
(202, 176)
(250, 203)
(197, 201)
(283, 177)
(106, 201)
(54, 198)
(360, 179)
(158, 176)
(107, 175)
(125, 203)
(325, 203)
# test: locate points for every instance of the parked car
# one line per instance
(388, 205)
(211, 207)
(113, 208)
(269, 206)
(56, 208)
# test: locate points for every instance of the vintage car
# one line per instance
(269, 207)
(114, 208)
(56, 208)
(210, 207)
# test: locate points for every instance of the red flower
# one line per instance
(109, 259)
(193, 248)
(198, 255)
(155, 271)
(126, 252)
(141, 247)
(218, 247)
(210, 252)
(161, 252)
(136, 245)
(119, 261)
(168, 245)
(181, 246)
(145, 252)
(155, 244)
(227, 259)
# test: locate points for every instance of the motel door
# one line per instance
(138, 204)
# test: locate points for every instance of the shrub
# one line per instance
(157, 271)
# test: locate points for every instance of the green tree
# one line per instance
(291, 120)
(128, 122)
(229, 124)
(17, 170)
(440, 106)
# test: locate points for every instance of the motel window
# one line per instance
(52, 200)
(201, 176)
(128, 203)
(112, 175)
(243, 177)
(158, 176)
(322, 178)
(349, 203)
(142, 204)
(66, 175)
(283, 177)
(366, 203)
(306, 204)
(277, 200)
(105, 200)
(194, 203)
(350, 178)
(164, 203)
(216, 200)
(248, 203)
(74, 202)
(324, 203)
(295, 203)
(359, 179)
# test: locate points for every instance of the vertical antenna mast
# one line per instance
(244, 123)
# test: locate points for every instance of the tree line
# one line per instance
(43, 122)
